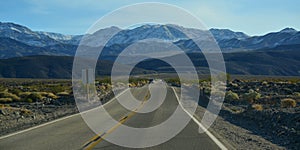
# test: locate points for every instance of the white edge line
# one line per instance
(60, 119)
(200, 125)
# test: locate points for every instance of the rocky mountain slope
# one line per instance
(17, 40)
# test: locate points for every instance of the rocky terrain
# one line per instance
(261, 114)
(15, 117)
(29, 102)
(256, 113)
(272, 111)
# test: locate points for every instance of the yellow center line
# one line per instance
(99, 137)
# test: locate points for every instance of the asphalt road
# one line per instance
(73, 133)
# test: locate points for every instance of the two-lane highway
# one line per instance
(72, 132)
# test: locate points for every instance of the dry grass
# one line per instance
(231, 96)
(5, 100)
(257, 107)
(63, 94)
(288, 103)
(7, 96)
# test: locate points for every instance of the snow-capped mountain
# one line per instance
(35, 38)
(163, 32)
(28, 41)
(226, 34)
(24, 35)
(99, 37)
(287, 36)
(66, 39)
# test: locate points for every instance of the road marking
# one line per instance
(200, 125)
(60, 119)
(97, 139)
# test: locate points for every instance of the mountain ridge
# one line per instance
(49, 43)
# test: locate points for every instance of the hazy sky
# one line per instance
(254, 17)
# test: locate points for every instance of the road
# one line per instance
(73, 133)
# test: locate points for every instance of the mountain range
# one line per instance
(17, 40)
(51, 54)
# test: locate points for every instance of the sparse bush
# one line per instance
(57, 88)
(5, 100)
(35, 96)
(264, 83)
(49, 95)
(296, 94)
(24, 94)
(287, 91)
(2, 88)
(6, 94)
(25, 111)
(231, 96)
(251, 96)
(288, 103)
(63, 94)
(4, 106)
(132, 85)
(15, 91)
(257, 107)
(234, 85)
(29, 100)
(207, 91)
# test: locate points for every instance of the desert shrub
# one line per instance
(264, 83)
(28, 100)
(24, 94)
(257, 107)
(6, 94)
(207, 91)
(57, 88)
(287, 91)
(296, 94)
(49, 95)
(35, 96)
(233, 85)
(288, 103)
(2, 88)
(132, 84)
(231, 96)
(15, 91)
(25, 97)
(5, 100)
(63, 94)
(251, 96)
(4, 106)
(25, 111)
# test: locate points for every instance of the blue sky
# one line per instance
(254, 17)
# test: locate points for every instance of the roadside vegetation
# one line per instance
(265, 106)
(28, 102)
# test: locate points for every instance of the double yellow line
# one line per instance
(99, 137)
